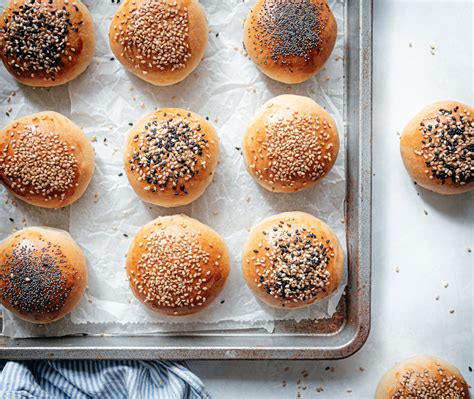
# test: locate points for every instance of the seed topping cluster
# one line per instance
(295, 148)
(155, 35)
(32, 279)
(426, 385)
(169, 151)
(448, 146)
(291, 263)
(170, 272)
(38, 163)
(288, 28)
(35, 38)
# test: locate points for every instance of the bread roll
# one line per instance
(46, 43)
(45, 160)
(437, 147)
(291, 144)
(170, 157)
(177, 266)
(159, 41)
(422, 377)
(43, 274)
(290, 40)
(292, 260)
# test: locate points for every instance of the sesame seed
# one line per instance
(293, 149)
(155, 35)
(427, 384)
(38, 162)
(171, 270)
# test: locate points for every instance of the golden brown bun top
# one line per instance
(43, 274)
(177, 265)
(292, 260)
(290, 40)
(160, 41)
(291, 144)
(170, 156)
(46, 42)
(45, 159)
(422, 377)
(436, 147)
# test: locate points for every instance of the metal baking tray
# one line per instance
(338, 337)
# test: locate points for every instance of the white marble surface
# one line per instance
(430, 250)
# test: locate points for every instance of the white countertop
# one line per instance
(423, 52)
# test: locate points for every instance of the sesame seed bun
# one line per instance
(38, 55)
(422, 377)
(43, 274)
(290, 41)
(291, 144)
(45, 160)
(177, 266)
(170, 157)
(292, 260)
(443, 163)
(159, 41)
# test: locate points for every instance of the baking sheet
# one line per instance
(228, 89)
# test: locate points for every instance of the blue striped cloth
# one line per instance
(83, 379)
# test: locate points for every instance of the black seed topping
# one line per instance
(447, 146)
(32, 280)
(288, 28)
(35, 39)
(169, 153)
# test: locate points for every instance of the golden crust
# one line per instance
(390, 382)
(411, 141)
(64, 280)
(74, 62)
(47, 123)
(258, 241)
(256, 157)
(292, 68)
(197, 42)
(170, 197)
(216, 269)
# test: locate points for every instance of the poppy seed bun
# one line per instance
(290, 40)
(177, 265)
(46, 43)
(170, 157)
(291, 144)
(43, 274)
(292, 260)
(422, 377)
(45, 160)
(159, 41)
(436, 147)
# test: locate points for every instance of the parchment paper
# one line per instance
(227, 88)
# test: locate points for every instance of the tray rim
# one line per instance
(354, 338)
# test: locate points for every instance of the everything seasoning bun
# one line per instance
(46, 43)
(177, 266)
(45, 160)
(170, 157)
(292, 144)
(290, 40)
(437, 147)
(292, 260)
(422, 377)
(160, 41)
(43, 274)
